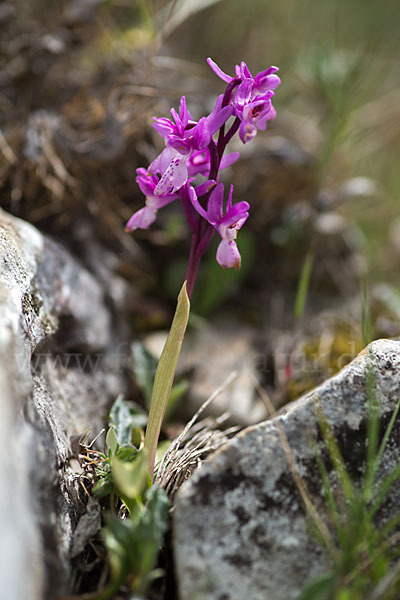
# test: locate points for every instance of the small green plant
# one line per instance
(132, 543)
(362, 564)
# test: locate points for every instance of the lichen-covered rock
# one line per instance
(59, 371)
(240, 527)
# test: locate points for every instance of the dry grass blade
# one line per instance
(190, 447)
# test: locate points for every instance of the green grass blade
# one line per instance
(373, 422)
(335, 456)
(165, 375)
(378, 458)
(366, 321)
(384, 488)
(327, 487)
(304, 284)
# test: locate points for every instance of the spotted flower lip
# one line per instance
(227, 223)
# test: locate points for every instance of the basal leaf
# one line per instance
(130, 478)
(111, 441)
(144, 366)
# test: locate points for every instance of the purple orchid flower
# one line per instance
(227, 225)
(184, 137)
(143, 218)
(252, 100)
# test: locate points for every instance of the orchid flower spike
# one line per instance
(190, 165)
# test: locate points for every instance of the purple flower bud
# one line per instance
(247, 131)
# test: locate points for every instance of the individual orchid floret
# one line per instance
(183, 138)
(143, 218)
(227, 225)
(185, 135)
(251, 100)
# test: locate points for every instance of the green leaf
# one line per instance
(111, 442)
(319, 589)
(126, 453)
(335, 455)
(130, 478)
(150, 531)
(144, 366)
(366, 320)
(378, 458)
(119, 538)
(165, 376)
(133, 544)
(303, 285)
(124, 417)
(103, 487)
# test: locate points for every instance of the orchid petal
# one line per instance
(184, 112)
(215, 121)
(146, 181)
(198, 162)
(201, 134)
(229, 160)
(195, 202)
(247, 131)
(215, 204)
(244, 71)
(177, 119)
(205, 187)
(243, 94)
(219, 72)
(228, 255)
(161, 162)
(173, 178)
(237, 214)
(180, 144)
(262, 123)
(229, 201)
(142, 219)
(266, 83)
(164, 127)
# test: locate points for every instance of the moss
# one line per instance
(323, 356)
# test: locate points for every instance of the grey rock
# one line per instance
(57, 378)
(240, 527)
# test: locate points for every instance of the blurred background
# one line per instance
(79, 83)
